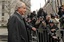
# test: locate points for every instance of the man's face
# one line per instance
(22, 9)
(51, 24)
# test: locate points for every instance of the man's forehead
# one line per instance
(23, 5)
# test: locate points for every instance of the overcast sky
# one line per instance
(36, 4)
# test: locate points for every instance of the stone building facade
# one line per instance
(7, 8)
(52, 6)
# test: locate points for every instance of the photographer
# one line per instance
(52, 28)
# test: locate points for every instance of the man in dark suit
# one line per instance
(17, 27)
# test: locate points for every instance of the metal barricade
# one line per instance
(34, 35)
(45, 37)
(62, 35)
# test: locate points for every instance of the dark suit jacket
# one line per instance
(17, 31)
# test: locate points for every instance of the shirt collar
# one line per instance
(20, 14)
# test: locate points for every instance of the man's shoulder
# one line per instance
(12, 17)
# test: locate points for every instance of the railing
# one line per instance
(44, 36)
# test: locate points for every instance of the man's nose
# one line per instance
(25, 10)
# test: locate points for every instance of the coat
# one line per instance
(17, 31)
(42, 28)
(49, 28)
(43, 35)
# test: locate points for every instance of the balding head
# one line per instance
(21, 7)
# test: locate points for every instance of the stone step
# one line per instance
(3, 37)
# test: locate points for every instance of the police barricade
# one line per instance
(40, 36)
(43, 36)
(34, 35)
(61, 35)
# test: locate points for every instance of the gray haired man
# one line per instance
(17, 27)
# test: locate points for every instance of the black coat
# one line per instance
(17, 31)
(49, 29)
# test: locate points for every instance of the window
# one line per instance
(2, 8)
(2, 14)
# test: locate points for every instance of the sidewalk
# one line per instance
(3, 34)
(3, 31)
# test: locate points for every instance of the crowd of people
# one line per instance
(19, 28)
(49, 23)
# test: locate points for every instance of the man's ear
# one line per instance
(18, 7)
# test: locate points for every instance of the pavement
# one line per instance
(3, 34)
(3, 31)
